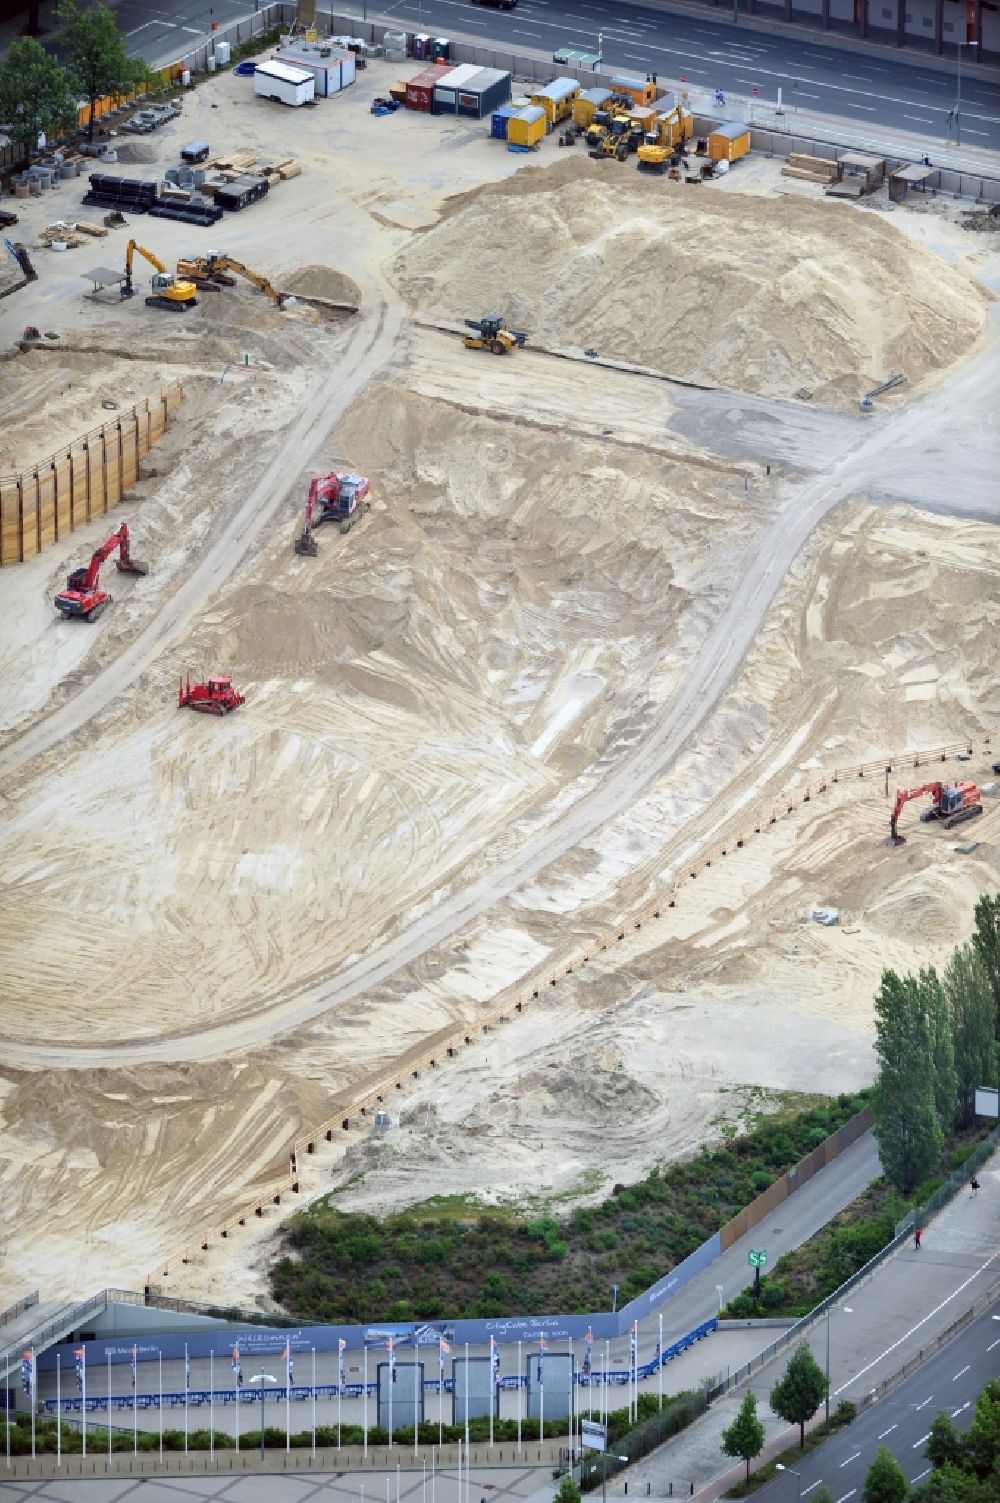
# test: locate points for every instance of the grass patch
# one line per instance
(452, 1255)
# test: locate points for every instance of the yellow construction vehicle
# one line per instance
(168, 292)
(492, 334)
(212, 270)
(671, 131)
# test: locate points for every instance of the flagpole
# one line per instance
(236, 1381)
(211, 1404)
(659, 1362)
(314, 1404)
(83, 1399)
(159, 1353)
(520, 1396)
(365, 1416)
(433, 1476)
(466, 1407)
(440, 1397)
(572, 1414)
(340, 1389)
(493, 1386)
(58, 1409)
(604, 1385)
(288, 1397)
(187, 1385)
(34, 1390)
(109, 1405)
(6, 1411)
(417, 1406)
(135, 1396)
(392, 1376)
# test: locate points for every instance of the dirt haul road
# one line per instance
(867, 465)
(370, 348)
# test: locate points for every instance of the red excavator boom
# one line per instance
(333, 498)
(83, 595)
(216, 696)
(952, 805)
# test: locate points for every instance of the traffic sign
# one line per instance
(756, 1257)
(593, 1436)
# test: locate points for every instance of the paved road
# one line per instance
(950, 1381)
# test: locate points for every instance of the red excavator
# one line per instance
(333, 498)
(952, 806)
(216, 696)
(82, 595)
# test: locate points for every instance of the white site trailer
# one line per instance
(274, 80)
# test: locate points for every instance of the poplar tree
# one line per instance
(986, 938)
(884, 1481)
(907, 1129)
(939, 1023)
(973, 1017)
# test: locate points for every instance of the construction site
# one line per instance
(640, 598)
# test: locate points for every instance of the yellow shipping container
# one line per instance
(556, 99)
(528, 126)
(587, 105)
(727, 143)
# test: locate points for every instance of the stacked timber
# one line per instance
(810, 169)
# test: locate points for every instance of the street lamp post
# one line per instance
(262, 1378)
(614, 1298)
(958, 93)
(779, 1468)
(604, 1475)
(847, 1311)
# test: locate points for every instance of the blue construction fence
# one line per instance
(197, 1397)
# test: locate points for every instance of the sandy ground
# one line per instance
(555, 553)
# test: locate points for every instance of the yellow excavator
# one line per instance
(169, 292)
(213, 270)
(673, 129)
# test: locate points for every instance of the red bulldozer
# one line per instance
(333, 498)
(952, 806)
(215, 696)
(83, 595)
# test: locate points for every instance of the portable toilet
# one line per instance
(556, 99)
(499, 121)
(640, 90)
(440, 50)
(586, 106)
(528, 126)
(729, 142)
(421, 45)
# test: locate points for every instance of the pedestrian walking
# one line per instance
(918, 1232)
(974, 1185)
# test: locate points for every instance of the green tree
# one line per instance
(884, 1480)
(800, 1391)
(944, 1444)
(973, 1014)
(984, 1432)
(939, 1023)
(821, 1494)
(745, 1436)
(95, 54)
(567, 1491)
(906, 1124)
(986, 938)
(36, 94)
(949, 1484)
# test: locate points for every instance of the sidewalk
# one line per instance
(909, 1301)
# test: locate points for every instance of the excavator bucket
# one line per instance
(306, 544)
(132, 566)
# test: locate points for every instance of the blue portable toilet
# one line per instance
(498, 121)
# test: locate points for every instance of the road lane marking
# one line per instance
(856, 77)
(849, 1460)
(985, 134)
(847, 1495)
(962, 1372)
(869, 109)
(142, 28)
(807, 1490)
(918, 1407)
(920, 1442)
(921, 1474)
(997, 1342)
(885, 1433)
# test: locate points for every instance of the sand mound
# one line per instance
(323, 281)
(136, 151)
(778, 297)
